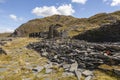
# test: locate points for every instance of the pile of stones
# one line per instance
(74, 55)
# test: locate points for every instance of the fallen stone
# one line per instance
(38, 69)
(48, 65)
(88, 78)
(44, 54)
(87, 73)
(117, 71)
(78, 74)
(73, 67)
(48, 71)
(66, 66)
(67, 74)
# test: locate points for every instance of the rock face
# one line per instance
(106, 33)
(2, 51)
(78, 54)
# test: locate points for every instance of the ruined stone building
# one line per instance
(51, 33)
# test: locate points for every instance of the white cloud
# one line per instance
(3, 30)
(12, 16)
(79, 1)
(15, 18)
(65, 9)
(115, 3)
(112, 2)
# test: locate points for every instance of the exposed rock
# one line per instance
(38, 68)
(106, 33)
(66, 66)
(88, 78)
(74, 55)
(48, 71)
(87, 55)
(2, 51)
(48, 65)
(87, 73)
(78, 74)
(66, 74)
(73, 67)
(117, 71)
(44, 54)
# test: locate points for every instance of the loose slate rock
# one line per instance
(48, 71)
(78, 74)
(87, 73)
(88, 78)
(117, 71)
(66, 74)
(74, 67)
(38, 69)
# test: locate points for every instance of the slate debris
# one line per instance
(73, 54)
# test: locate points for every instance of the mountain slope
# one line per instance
(106, 33)
(72, 25)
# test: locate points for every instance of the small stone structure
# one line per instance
(52, 33)
(38, 34)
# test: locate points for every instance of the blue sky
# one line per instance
(13, 13)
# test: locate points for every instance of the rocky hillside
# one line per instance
(73, 25)
(108, 33)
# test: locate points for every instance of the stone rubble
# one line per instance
(75, 56)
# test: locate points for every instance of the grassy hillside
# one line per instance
(73, 25)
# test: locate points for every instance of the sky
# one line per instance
(14, 13)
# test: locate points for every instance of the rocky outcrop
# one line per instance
(106, 33)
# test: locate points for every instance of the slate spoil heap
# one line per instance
(73, 55)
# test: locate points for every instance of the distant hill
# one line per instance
(72, 25)
(5, 34)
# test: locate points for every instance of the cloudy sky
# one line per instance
(15, 12)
